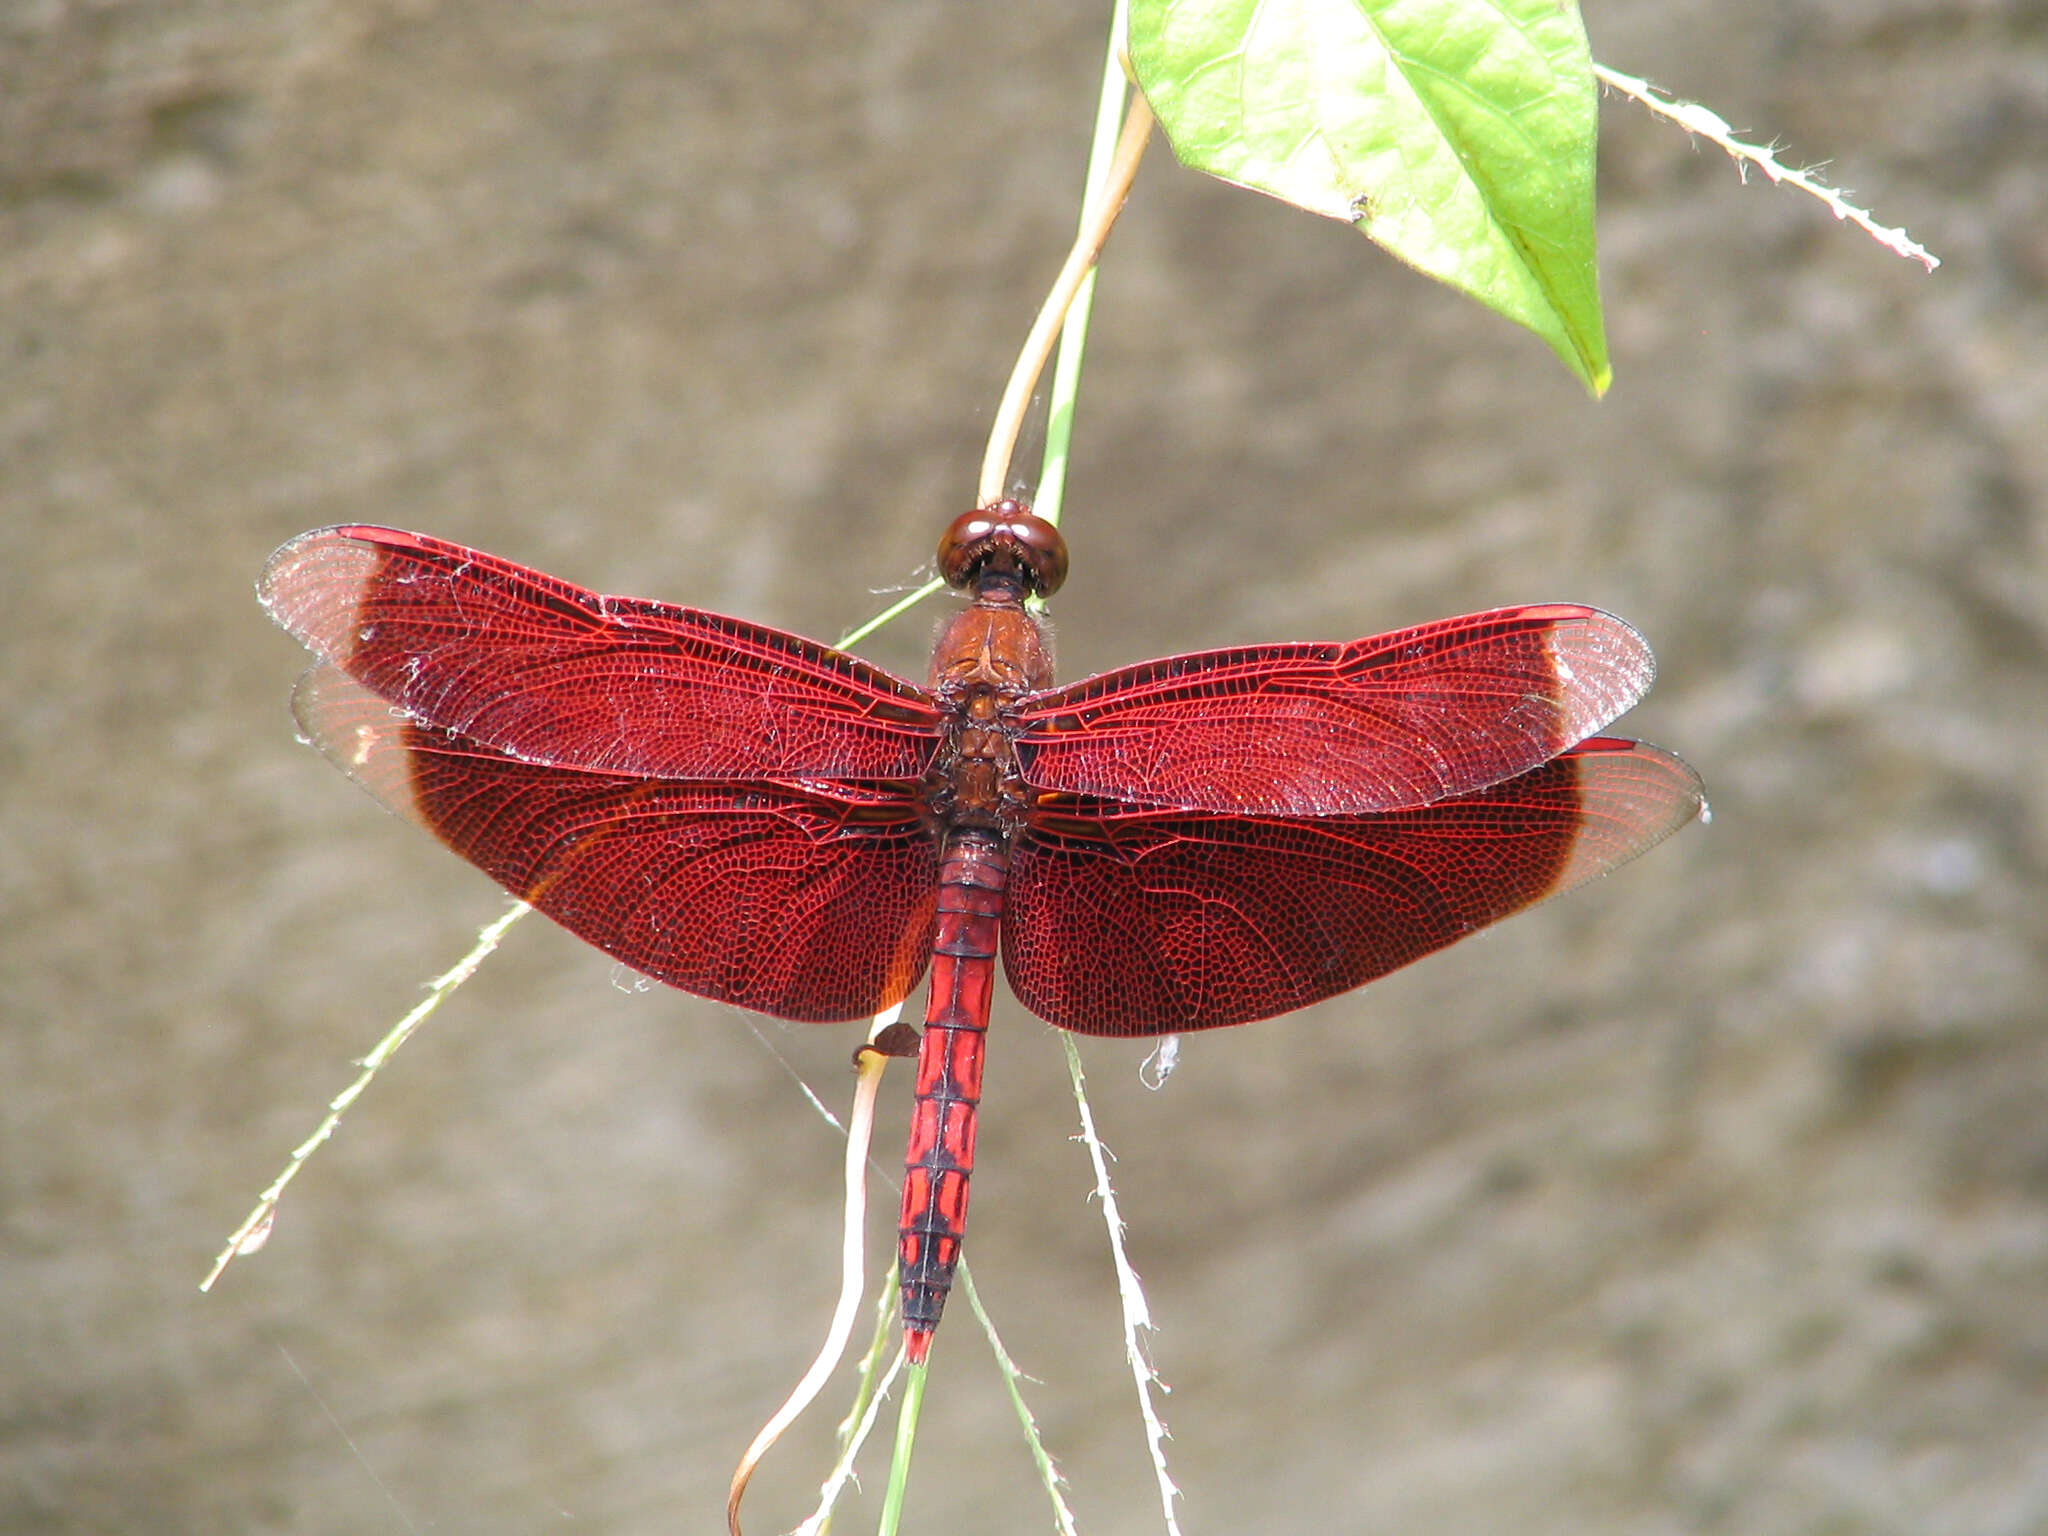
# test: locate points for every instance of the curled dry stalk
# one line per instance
(860, 1125)
(1064, 313)
(1108, 189)
(1061, 314)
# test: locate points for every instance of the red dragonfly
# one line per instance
(751, 816)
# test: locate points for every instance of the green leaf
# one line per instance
(1458, 134)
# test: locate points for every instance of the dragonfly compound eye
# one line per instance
(1004, 535)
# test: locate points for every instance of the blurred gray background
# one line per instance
(1713, 1198)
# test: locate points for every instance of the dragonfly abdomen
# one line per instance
(940, 1158)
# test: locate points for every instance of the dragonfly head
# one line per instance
(1003, 545)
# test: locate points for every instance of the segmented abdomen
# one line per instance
(940, 1158)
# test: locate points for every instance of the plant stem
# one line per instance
(1100, 210)
(906, 1439)
(1113, 161)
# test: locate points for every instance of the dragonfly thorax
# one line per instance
(991, 654)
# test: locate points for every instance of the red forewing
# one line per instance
(1134, 922)
(1381, 724)
(548, 672)
(810, 901)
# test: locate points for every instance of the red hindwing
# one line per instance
(1136, 922)
(807, 901)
